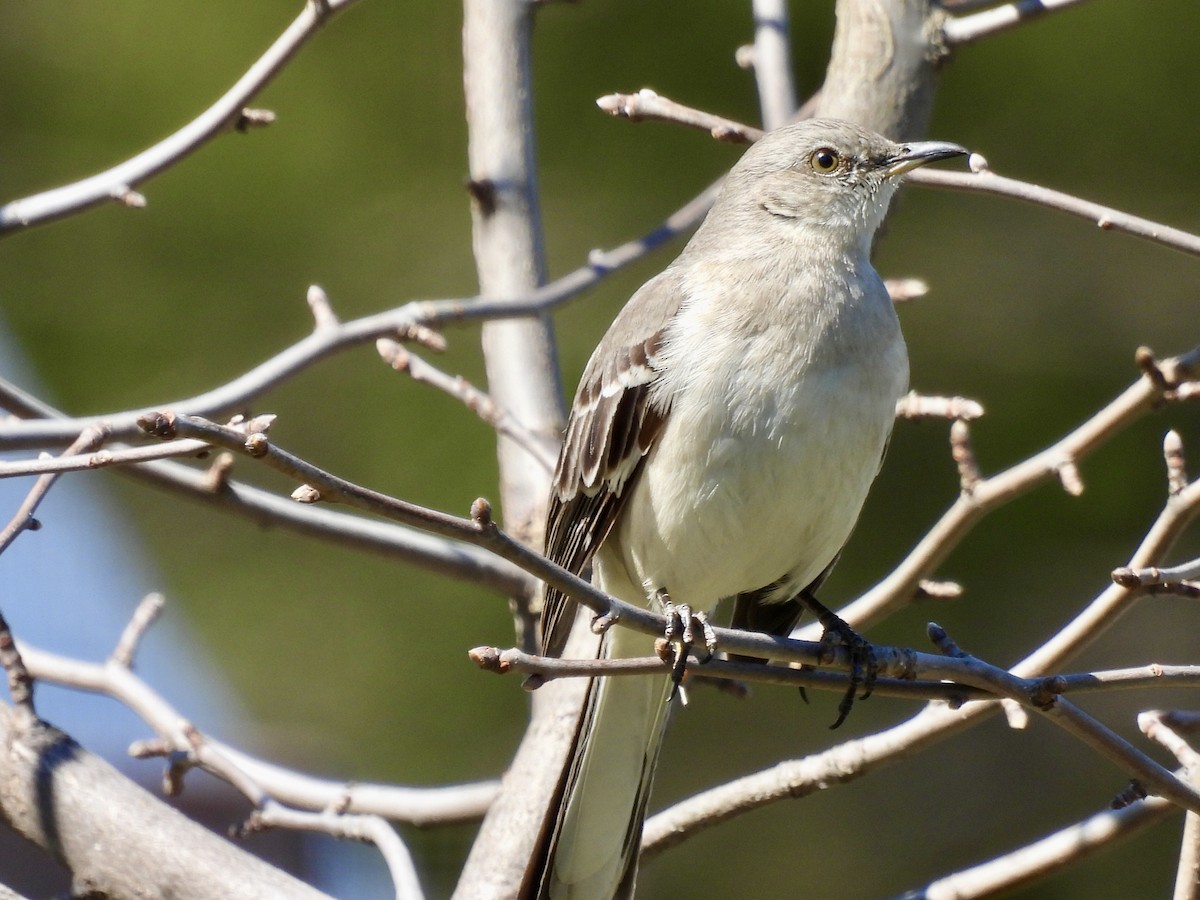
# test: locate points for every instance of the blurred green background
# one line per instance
(355, 666)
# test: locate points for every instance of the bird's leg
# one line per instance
(864, 668)
(681, 633)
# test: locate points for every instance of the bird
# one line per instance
(721, 444)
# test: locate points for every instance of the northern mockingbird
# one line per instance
(721, 444)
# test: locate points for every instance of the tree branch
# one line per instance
(477, 401)
(118, 182)
(1046, 856)
(902, 663)
(793, 779)
(989, 493)
(957, 31)
(771, 59)
(89, 438)
(647, 105)
(985, 181)
(96, 822)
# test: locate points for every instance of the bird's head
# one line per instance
(826, 174)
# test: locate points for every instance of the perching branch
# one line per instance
(901, 663)
(546, 669)
(791, 779)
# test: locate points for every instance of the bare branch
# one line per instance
(89, 438)
(479, 402)
(771, 59)
(1104, 610)
(418, 806)
(1162, 727)
(899, 586)
(648, 105)
(1044, 857)
(143, 617)
(99, 459)
(546, 669)
(1107, 219)
(96, 806)
(1059, 711)
(923, 406)
(230, 111)
(42, 428)
(960, 30)
(371, 829)
(1154, 576)
(456, 560)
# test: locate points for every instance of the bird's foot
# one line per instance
(681, 631)
(864, 667)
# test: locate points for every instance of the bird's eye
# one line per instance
(824, 160)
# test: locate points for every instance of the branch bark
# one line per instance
(102, 826)
(882, 71)
(522, 372)
(117, 183)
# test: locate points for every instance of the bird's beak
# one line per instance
(918, 153)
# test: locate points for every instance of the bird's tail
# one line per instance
(593, 848)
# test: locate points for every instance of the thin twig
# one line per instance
(419, 806)
(1154, 575)
(401, 322)
(1159, 726)
(1103, 217)
(369, 829)
(923, 406)
(143, 617)
(477, 401)
(100, 459)
(988, 493)
(228, 112)
(461, 561)
(88, 439)
(1046, 856)
(648, 105)
(960, 30)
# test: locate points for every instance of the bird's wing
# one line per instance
(615, 420)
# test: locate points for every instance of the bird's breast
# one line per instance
(773, 440)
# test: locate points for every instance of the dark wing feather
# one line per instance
(614, 422)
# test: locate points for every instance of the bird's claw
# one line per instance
(864, 667)
(681, 630)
